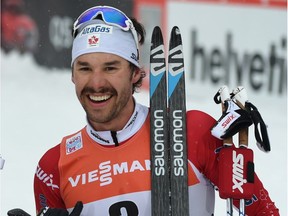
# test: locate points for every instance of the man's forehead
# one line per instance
(100, 58)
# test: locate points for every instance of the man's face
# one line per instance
(103, 85)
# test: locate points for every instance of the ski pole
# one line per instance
(224, 97)
(236, 168)
(240, 97)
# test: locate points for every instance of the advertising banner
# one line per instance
(234, 43)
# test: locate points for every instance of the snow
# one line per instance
(39, 107)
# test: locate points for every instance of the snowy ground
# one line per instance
(39, 107)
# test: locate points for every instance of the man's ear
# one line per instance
(72, 76)
(136, 75)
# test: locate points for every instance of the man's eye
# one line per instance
(110, 68)
(84, 68)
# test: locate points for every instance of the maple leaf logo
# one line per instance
(93, 40)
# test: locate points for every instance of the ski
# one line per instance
(169, 187)
(177, 126)
(160, 201)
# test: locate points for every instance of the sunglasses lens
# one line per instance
(109, 15)
(115, 17)
(88, 15)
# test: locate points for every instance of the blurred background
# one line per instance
(231, 42)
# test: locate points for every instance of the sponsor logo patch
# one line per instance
(74, 143)
(93, 40)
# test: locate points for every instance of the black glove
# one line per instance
(17, 212)
(49, 211)
(62, 212)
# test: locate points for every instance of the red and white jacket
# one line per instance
(87, 166)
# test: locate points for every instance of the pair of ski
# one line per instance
(168, 127)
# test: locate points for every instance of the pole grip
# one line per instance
(236, 173)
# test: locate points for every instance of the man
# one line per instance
(104, 168)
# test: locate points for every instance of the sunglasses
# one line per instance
(111, 16)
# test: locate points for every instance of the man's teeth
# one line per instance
(99, 98)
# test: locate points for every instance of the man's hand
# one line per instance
(50, 211)
(17, 212)
(62, 212)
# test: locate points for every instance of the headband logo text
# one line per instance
(97, 29)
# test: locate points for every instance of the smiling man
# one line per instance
(104, 168)
(104, 84)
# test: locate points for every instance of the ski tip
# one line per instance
(176, 30)
(157, 37)
(157, 31)
(157, 28)
(175, 36)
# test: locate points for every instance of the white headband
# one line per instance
(97, 36)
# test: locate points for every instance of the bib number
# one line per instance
(124, 208)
